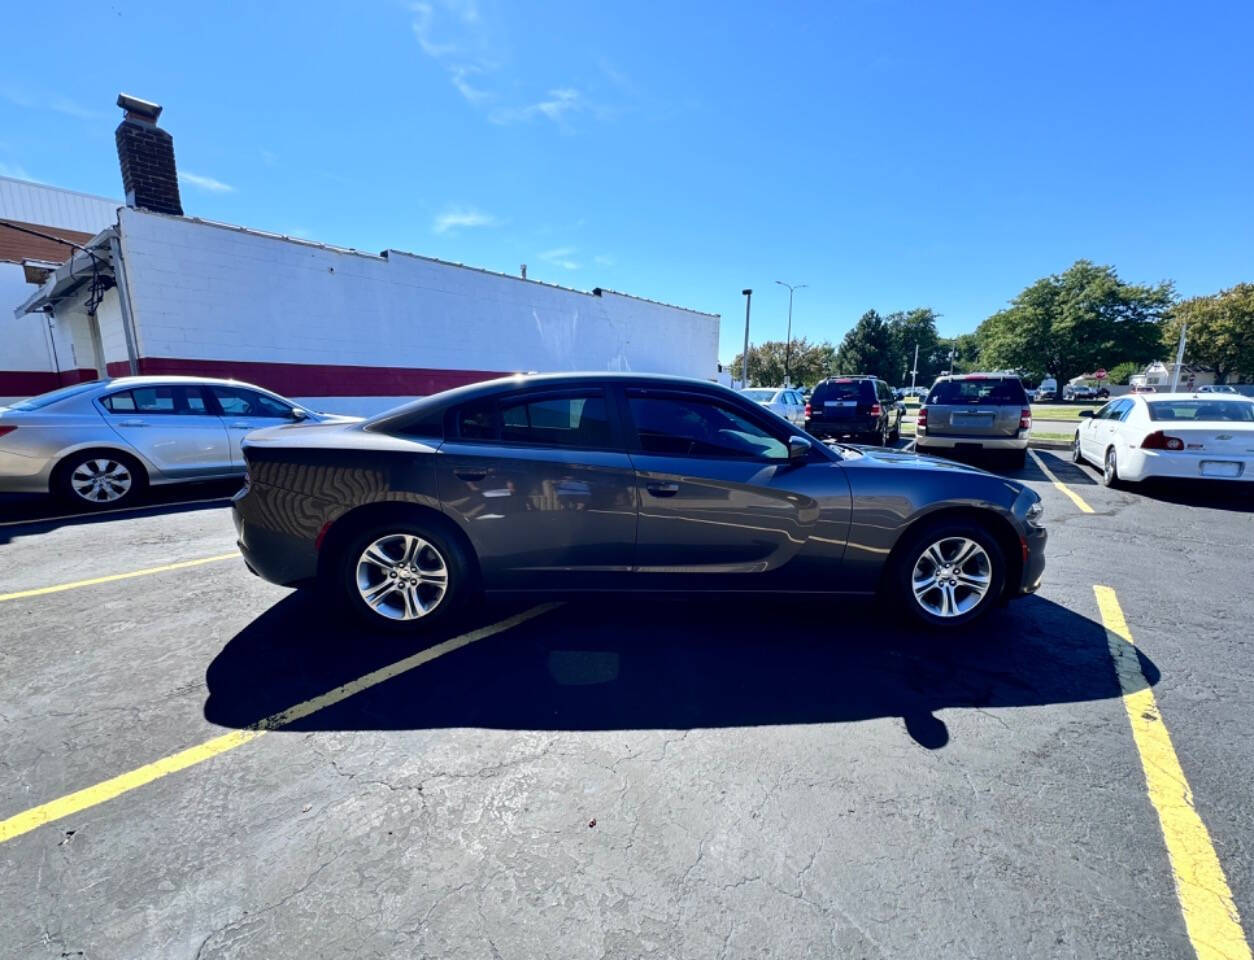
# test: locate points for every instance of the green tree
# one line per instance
(1221, 332)
(808, 363)
(967, 358)
(868, 348)
(1070, 323)
(908, 328)
(1123, 372)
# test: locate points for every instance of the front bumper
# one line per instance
(1033, 546)
(948, 441)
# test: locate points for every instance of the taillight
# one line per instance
(807, 411)
(921, 421)
(6, 430)
(1161, 441)
(1025, 419)
(875, 409)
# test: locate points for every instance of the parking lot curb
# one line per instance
(1049, 444)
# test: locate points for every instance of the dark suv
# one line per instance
(862, 408)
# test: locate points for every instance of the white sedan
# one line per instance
(1182, 435)
(785, 401)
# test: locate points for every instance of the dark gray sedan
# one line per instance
(588, 482)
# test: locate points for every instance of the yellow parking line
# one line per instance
(182, 565)
(96, 794)
(1075, 497)
(1210, 915)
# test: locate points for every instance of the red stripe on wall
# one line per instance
(314, 379)
(30, 383)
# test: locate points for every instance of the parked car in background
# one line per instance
(976, 412)
(1143, 388)
(1046, 390)
(99, 444)
(1217, 388)
(785, 401)
(1085, 391)
(1184, 435)
(860, 408)
(620, 482)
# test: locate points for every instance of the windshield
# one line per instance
(1238, 410)
(1003, 392)
(54, 396)
(759, 396)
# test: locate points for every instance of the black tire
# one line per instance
(1110, 470)
(444, 547)
(1076, 455)
(900, 581)
(123, 479)
(895, 436)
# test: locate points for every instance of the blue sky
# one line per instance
(888, 154)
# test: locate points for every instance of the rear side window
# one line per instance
(574, 421)
(156, 400)
(238, 402)
(1233, 410)
(993, 392)
(844, 389)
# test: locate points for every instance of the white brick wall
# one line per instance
(208, 292)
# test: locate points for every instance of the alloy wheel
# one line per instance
(101, 480)
(1109, 470)
(401, 576)
(952, 577)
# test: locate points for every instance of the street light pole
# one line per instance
(744, 366)
(788, 340)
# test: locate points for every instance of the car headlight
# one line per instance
(1035, 513)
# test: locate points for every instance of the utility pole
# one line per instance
(788, 339)
(1175, 380)
(744, 366)
(914, 371)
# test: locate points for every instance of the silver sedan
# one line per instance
(101, 443)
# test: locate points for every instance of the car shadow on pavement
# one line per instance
(1236, 495)
(1065, 469)
(23, 515)
(634, 662)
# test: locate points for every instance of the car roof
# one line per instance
(979, 376)
(148, 380)
(1208, 397)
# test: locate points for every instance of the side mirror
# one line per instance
(798, 450)
(1086, 414)
(299, 414)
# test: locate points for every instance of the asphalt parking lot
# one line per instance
(199, 764)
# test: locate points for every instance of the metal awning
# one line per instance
(69, 277)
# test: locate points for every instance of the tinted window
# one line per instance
(843, 389)
(693, 426)
(575, 421)
(238, 402)
(477, 421)
(1236, 410)
(156, 400)
(54, 396)
(993, 392)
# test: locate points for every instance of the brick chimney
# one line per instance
(146, 155)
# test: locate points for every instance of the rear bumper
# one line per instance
(842, 428)
(948, 441)
(273, 555)
(1137, 464)
(24, 473)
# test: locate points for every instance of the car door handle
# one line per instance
(468, 474)
(663, 489)
(132, 423)
(241, 426)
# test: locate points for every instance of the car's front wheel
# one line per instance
(948, 574)
(403, 576)
(99, 479)
(1076, 455)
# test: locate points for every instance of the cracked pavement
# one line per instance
(766, 777)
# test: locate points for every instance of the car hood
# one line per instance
(900, 459)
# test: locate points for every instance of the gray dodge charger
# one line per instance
(595, 482)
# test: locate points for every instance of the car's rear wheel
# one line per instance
(99, 479)
(896, 434)
(403, 576)
(1110, 469)
(948, 574)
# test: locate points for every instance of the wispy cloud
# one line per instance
(601, 260)
(561, 257)
(455, 35)
(269, 157)
(457, 218)
(54, 102)
(556, 107)
(16, 171)
(204, 183)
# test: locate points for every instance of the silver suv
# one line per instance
(976, 411)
